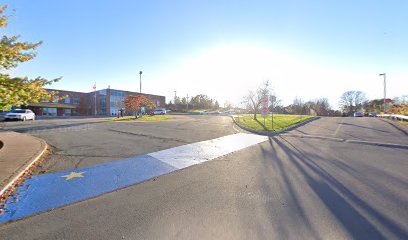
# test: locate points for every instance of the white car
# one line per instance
(159, 111)
(20, 114)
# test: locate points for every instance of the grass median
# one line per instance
(280, 121)
(145, 118)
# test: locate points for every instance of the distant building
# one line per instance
(108, 103)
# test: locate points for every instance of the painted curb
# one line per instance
(277, 132)
(26, 168)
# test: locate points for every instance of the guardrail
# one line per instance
(394, 116)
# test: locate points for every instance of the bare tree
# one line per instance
(253, 99)
(352, 101)
(320, 107)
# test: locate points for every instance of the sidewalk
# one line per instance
(18, 154)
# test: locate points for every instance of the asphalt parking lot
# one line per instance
(80, 142)
(328, 179)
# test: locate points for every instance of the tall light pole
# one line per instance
(385, 87)
(140, 81)
(187, 101)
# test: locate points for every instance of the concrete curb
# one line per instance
(20, 174)
(270, 134)
(395, 124)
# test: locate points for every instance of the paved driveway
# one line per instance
(288, 187)
(87, 141)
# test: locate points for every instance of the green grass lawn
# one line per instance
(404, 123)
(145, 118)
(280, 121)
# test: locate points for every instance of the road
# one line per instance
(309, 183)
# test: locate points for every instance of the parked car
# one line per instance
(3, 114)
(373, 114)
(159, 111)
(358, 114)
(20, 114)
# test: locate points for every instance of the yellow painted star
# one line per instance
(73, 175)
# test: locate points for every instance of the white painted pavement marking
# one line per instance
(47, 191)
(338, 127)
(191, 154)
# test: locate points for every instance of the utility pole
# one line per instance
(385, 89)
(187, 101)
(140, 81)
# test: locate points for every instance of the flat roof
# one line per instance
(104, 89)
(51, 105)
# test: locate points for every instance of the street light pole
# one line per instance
(187, 101)
(385, 87)
(140, 81)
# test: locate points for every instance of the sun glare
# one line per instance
(229, 71)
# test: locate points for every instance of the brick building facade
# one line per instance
(105, 102)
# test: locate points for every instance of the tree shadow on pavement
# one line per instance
(261, 124)
(359, 126)
(346, 206)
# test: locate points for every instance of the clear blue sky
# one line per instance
(308, 49)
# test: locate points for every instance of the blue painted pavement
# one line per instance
(43, 192)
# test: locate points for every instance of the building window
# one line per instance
(49, 111)
(102, 102)
(67, 112)
(55, 99)
(117, 97)
(118, 93)
(76, 100)
(67, 100)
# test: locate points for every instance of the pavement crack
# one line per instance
(148, 136)
(83, 155)
(79, 162)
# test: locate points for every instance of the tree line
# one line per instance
(252, 103)
(200, 101)
(356, 101)
(350, 102)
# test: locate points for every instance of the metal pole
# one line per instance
(385, 89)
(187, 101)
(272, 116)
(140, 81)
(385, 93)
